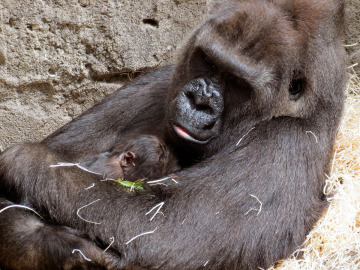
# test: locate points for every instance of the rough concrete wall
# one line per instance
(59, 57)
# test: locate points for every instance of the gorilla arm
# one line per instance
(136, 108)
(219, 203)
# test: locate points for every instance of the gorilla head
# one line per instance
(245, 64)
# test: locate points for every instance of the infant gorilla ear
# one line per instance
(132, 159)
(111, 165)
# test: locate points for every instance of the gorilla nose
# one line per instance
(199, 105)
(205, 97)
(203, 89)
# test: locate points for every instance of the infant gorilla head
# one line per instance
(144, 156)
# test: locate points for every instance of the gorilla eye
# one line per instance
(202, 64)
(296, 88)
(238, 89)
(209, 63)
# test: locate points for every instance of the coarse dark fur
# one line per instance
(27, 243)
(253, 172)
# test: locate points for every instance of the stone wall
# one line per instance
(59, 57)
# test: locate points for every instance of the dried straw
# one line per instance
(334, 243)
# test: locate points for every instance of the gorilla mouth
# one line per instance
(186, 135)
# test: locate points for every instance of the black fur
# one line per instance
(245, 198)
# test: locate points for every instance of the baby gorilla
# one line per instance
(145, 156)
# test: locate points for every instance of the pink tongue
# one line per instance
(182, 132)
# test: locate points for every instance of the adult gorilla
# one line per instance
(256, 96)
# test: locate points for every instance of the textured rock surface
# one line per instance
(57, 58)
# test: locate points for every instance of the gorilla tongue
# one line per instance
(184, 134)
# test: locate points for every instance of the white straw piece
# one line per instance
(20, 206)
(158, 206)
(82, 254)
(77, 212)
(141, 234)
(244, 136)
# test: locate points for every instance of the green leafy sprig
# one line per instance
(131, 186)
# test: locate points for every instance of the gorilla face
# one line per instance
(195, 111)
(227, 73)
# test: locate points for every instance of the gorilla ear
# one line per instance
(127, 159)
